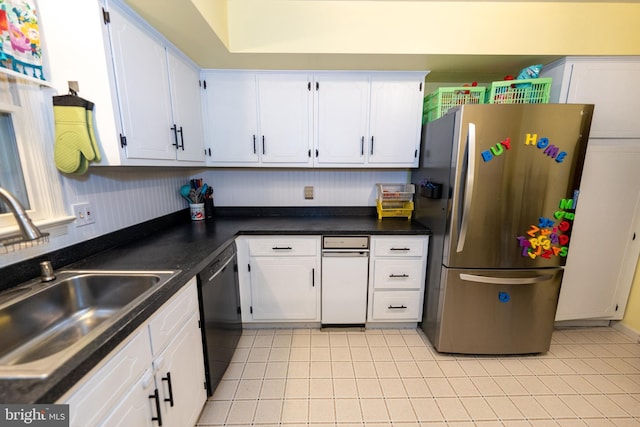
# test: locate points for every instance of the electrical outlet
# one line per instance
(308, 192)
(89, 216)
(84, 214)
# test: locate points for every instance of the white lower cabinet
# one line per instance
(396, 278)
(145, 382)
(135, 407)
(397, 305)
(104, 388)
(284, 289)
(279, 278)
(179, 377)
(603, 254)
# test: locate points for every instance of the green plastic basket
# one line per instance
(437, 103)
(526, 91)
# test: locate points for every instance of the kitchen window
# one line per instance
(26, 165)
(11, 176)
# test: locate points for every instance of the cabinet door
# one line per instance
(342, 119)
(165, 323)
(612, 87)
(103, 389)
(179, 373)
(285, 288)
(231, 118)
(285, 103)
(140, 64)
(135, 408)
(187, 109)
(396, 121)
(604, 244)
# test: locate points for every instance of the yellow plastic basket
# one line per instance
(526, 91)
(438, 102)
(395, 200)
(394, 209)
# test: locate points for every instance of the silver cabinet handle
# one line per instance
(282, 248)
(398, 275)
(506, 280)
(397, 307)
(468, 188)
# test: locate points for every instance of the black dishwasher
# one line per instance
(219, 300)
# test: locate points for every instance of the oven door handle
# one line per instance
(345, 254)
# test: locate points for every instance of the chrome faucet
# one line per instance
(28, 230)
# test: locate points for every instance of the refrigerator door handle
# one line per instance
(468, 188)
(506, 280)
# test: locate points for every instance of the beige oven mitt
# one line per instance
(75, 144)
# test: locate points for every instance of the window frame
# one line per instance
(32, 118)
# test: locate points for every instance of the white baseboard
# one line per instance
(627, 330)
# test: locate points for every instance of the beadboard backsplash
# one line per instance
(119, 197)
(277, 187)
(125, 196)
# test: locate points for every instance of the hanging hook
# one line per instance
(74, 88)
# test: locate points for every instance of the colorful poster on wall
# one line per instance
(20, 48)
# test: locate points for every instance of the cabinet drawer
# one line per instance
(95, 398)
(404, 305)
(164, 324)
(398, 273)
(284, 246)
(405, 246)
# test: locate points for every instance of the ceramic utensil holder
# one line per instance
(197, 211)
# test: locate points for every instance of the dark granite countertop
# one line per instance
(188, 247)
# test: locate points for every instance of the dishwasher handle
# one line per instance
(219, 270)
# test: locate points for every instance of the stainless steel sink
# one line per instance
(44, 324)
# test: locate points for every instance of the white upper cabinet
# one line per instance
(187, 108)
(158, 94)
(143, 89)
(368, 119)
(284, 121)
(396, 114)
(142, 77)
(326, 119)
(342, 118)
(607, 82)
(258, 119)
(231, 118)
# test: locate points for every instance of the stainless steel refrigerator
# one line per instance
(498, 185)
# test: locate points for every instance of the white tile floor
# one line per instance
(311, 377)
